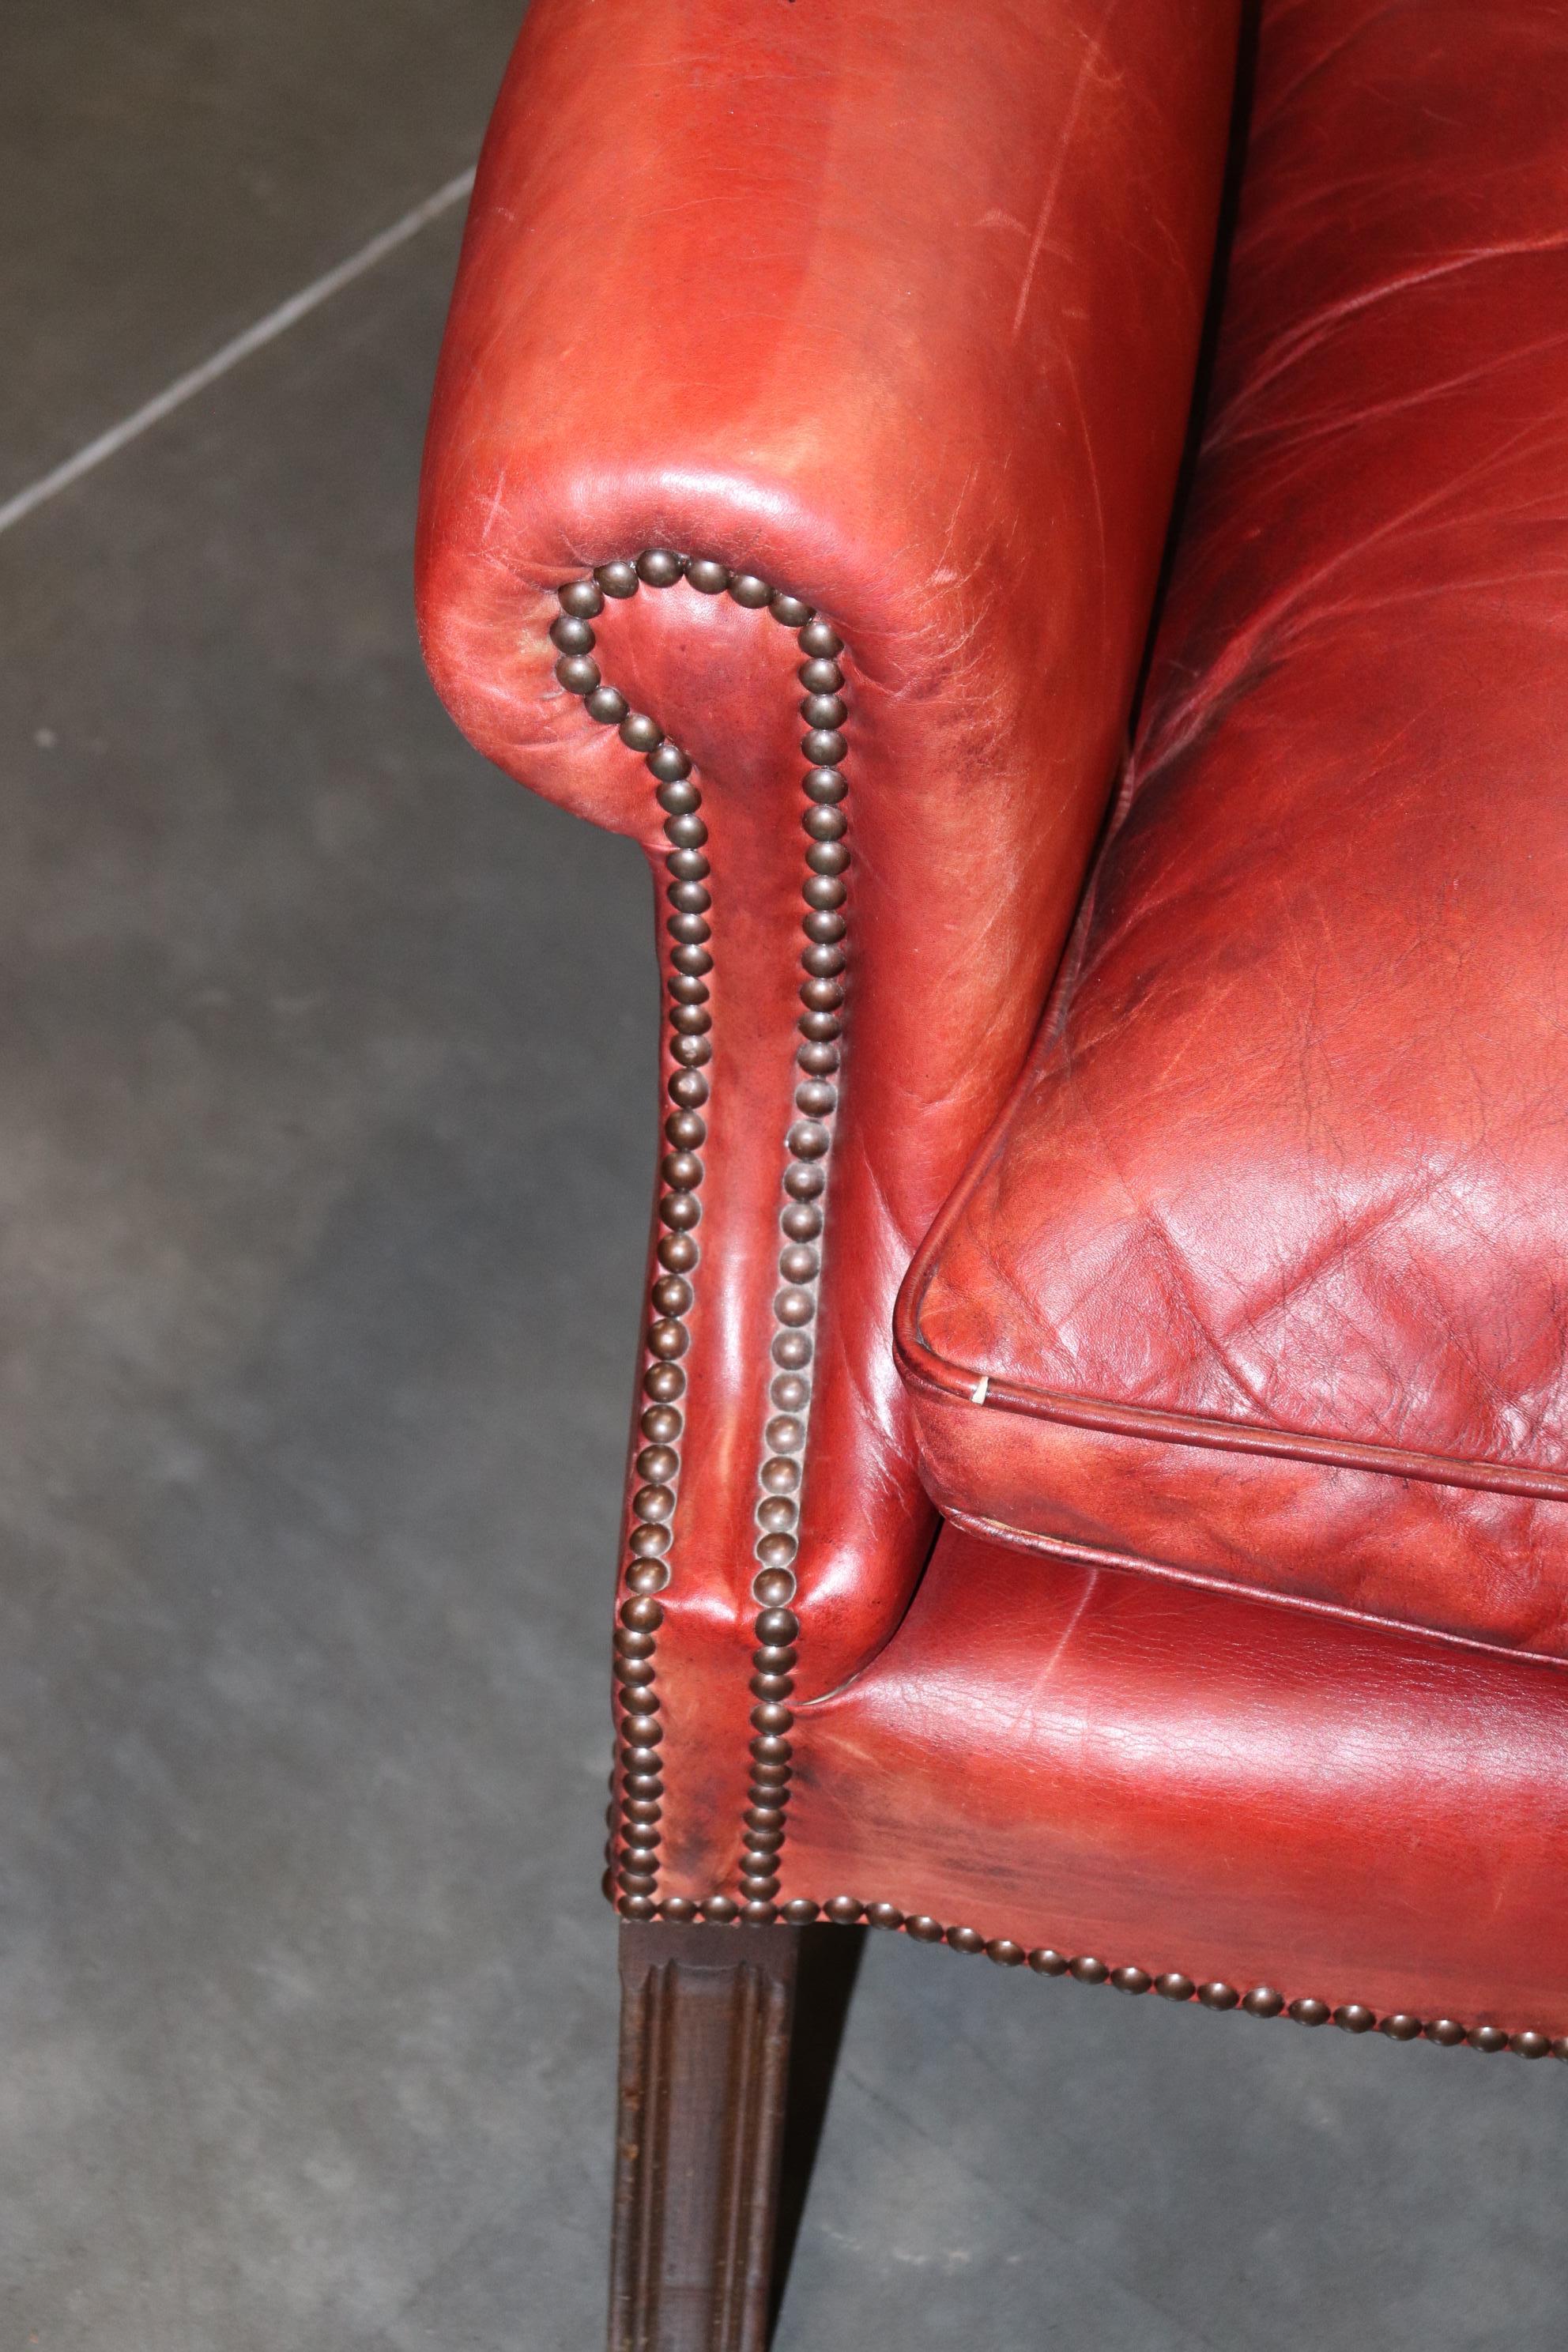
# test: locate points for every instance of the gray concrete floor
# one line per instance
(325, 1056)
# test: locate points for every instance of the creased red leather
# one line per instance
(1230, 1789)
(894, 304)
(1268, 1262)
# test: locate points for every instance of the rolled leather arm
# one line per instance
(885, 313)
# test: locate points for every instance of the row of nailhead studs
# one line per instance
(844, 1911)
(807, 1146)
(633, 1851)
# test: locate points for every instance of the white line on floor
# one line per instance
(264, 330)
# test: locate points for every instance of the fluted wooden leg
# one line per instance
(705, 2031)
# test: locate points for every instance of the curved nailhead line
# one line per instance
(1262, 2001)
(633, 1852)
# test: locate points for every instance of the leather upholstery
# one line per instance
(1177, 1779)
(1268, 1263)
(716, 294)
(1259, 1278)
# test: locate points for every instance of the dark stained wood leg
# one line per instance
(829, 1963)
(705, 2031)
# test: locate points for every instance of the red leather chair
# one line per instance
(1099, 1485)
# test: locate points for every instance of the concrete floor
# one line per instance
(323, 1170)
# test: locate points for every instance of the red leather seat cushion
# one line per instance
(1266, 1268)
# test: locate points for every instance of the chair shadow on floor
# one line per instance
(829, 1964)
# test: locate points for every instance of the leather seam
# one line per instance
(935, 1375)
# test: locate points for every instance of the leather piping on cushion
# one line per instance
(923, 1369)
(956, 1390)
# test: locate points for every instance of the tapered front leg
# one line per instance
(705, 2031)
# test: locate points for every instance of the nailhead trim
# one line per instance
(1262, 2001)
(808, 1146)
(633, 1853)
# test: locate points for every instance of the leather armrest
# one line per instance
(891, 305)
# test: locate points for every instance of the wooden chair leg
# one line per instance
(705, 2031)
